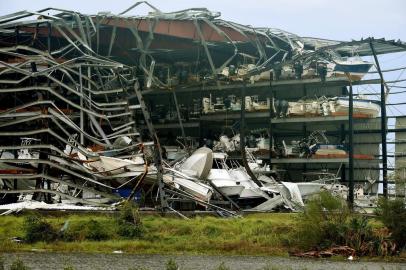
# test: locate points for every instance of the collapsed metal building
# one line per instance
(89, 101)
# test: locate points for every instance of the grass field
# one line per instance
(256, 234)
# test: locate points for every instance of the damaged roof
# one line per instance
(196, 36)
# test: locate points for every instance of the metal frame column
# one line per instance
(242, 138)
(383, 125)
(350, 145)
(271, 102)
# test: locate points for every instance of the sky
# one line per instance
(340, 20)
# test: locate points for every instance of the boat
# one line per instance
(252, 194)
(307, 189)
(303, 108)
(355, 67)
(199, 162)
(5, 166)
(192, 186)
(340, 106)
(235, 182)
(198, 165)
(174, 152)
(224, 144)
(260, 105)
(25, 153)
(227, 185)
(115, 166)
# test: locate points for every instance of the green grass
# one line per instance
(257, 234)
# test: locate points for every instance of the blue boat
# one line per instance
(355, 67)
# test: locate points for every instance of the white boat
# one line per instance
(235, 181)
(355, 67)
(174, 152)
(302, 108)
(184, 182)
(114, 166)
(12, 169)
(309, 188)
(222, 179)
(251, 189)
(293, 195)
(200, 190)
(340, 106)
(7, 155)
(263, 143)
(198, 165)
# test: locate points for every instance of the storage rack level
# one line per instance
(262, 119)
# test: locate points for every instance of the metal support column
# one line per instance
(157, 147)
(304, 128)
(175, 99)
(383, 125)
(49, 37)
(82, 121)
(342, 141)
(17, 32)
(242, 138)
(49, 199)
(271, 102)
(350, 145)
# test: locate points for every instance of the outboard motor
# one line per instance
(277, 71)
(322, 70)
(298, 67)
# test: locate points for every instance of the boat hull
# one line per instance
(363, 107)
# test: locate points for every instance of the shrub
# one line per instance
(35, 228)
(128, 212)
(358, 234)
(323, 222)
(2, 263)
(392, 213)
(86, 230)
(18, 265)
(327, 221)
(128, 230)
(129, 223)
(95, 231)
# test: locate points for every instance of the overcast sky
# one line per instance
(341, 20)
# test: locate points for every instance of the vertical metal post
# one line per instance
(242, 138)
(89, 84)
(383, 125)
(157, 146)
(350, 145)
(304, 129)
(383, 142)
(49, 199)
(342, 140)
(271, 97)
(49, 37)
(82, 138)
(17, 31)
(242, 120)
(175, 99)
(17, 41)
